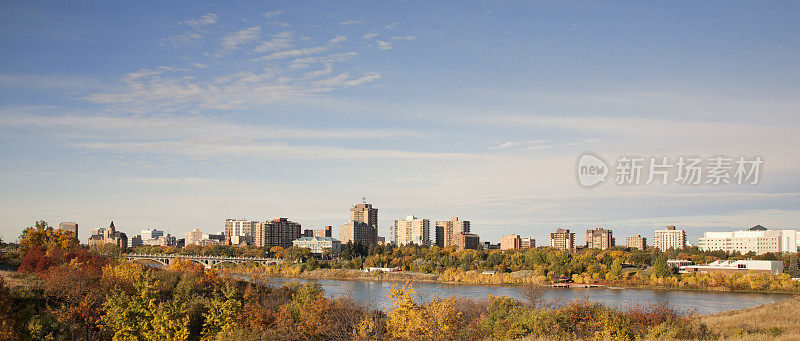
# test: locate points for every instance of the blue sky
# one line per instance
(178, 116)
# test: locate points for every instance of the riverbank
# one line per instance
(773, 321)
(517, 278)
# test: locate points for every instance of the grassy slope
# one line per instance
(774, 321)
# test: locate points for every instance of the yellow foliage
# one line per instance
(406, 319)
(436, 320)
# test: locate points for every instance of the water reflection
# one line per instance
(375, 295)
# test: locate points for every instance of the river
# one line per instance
(373, 294)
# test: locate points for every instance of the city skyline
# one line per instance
(180, 118)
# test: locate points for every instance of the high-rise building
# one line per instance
(757, 239)
(323, 232)
(150, 234)
(136, 241)
(278, 232)
(636, 242)
(240, 231)
(562, 239)
(464, 241)
(366, 213)
(447, 229)
(194, 237)
(358, 232)
(412, 230)
(69, 227)
(599, 238)
(101, 236)
(669, 238)
(527, 243)
(511, 242)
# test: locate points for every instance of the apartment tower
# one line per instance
(562, 239)
(446, 230)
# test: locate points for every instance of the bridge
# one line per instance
(206, 261)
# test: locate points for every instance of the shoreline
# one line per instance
(432, 278)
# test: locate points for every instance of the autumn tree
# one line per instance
(276, 251)
(223, 312)
(405, 319)
(42, 234)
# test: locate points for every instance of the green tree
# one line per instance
(661, 268)
(794, 267)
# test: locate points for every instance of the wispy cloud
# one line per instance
(408, 37)
(241, 37)
(292, 53)
(370, 35)
(531, 144)
(303, 51)
(301, 63)
(350, 22)
(344, 79)
(206, 149)
(272, 14)
(69, 83)
(338, 39)
(203, 20)
(383, 45)
(142, 129)
(391, 26)
(279, 41)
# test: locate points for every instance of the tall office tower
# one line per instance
(278, 232)
(358, 232)
(193, 237)
(599, 238)
(412, 230)
(562, 239)
(669, 239)
(366, 213)
(636, 242)
(69, 227)
(239, 231)
(447, 229)
(511, 242)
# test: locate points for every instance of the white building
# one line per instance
(240, 231)
(193, 237)
(756, 239)
(319, 244)
(772, 266)
(669, 238)
(150, 234)
(412, 230)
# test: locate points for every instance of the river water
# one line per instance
(374, 295)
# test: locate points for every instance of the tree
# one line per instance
(296, 253)
(794, 267)
(406, 319)
(276, 251)
(222, 314)
(42, 234)
(661, 268)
